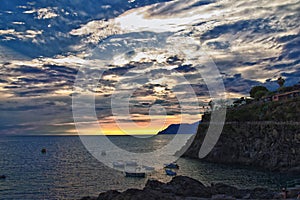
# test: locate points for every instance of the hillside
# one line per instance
(262, 135)
(180, 129)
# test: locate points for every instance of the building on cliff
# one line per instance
(286, 95)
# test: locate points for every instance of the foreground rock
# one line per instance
(182, 187)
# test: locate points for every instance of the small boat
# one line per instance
(43, 150)
(135, 174)
(131, 163)
(169, 172)
(134, 171)
(148, 168)
(118, 164)
(172, 166)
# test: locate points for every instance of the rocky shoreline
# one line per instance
(183, 187)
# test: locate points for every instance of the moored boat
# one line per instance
(148, 168)
(131, 163)
(169, 172)
(119, 164)
(172, 166)
(135, 174)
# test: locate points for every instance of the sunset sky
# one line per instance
(43, 44)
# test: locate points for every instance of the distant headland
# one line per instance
(180, 129)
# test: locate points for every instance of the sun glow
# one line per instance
(136, 125)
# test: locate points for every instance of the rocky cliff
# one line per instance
(263, 135)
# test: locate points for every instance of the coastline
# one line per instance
(183, 187)
(271, 145)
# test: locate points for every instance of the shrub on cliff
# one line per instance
(258, 91)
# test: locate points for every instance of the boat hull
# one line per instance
(135, 174)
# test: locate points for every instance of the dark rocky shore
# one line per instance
(182, 187)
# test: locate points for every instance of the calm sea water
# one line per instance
(69, 171)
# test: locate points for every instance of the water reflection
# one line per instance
(68, 171)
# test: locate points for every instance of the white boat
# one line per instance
(131, 163)
(134, 171)
(119, 164)
(148, 167)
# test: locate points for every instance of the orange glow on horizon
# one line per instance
(136, 127)
(141, 125)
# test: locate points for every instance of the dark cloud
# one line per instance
(34, 115)
(286, 38)
(254, 26)
(177, 7)
(292, 77)
(173, 60)
(28, 70)
(238, 84)
(29, 81)
(280, 65)
(59, 76)
(12, 86)
(119, 70)
(3, 81)
(35, 92)
(60, 69)
(37, 80)
(199, 89)
(185, 68)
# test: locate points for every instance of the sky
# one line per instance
(135, 67)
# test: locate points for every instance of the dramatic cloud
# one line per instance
(44, 45)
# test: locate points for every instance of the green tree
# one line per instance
(280, 82)
(259, 94)
(260, 89)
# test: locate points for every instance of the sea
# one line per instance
(69, 171)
